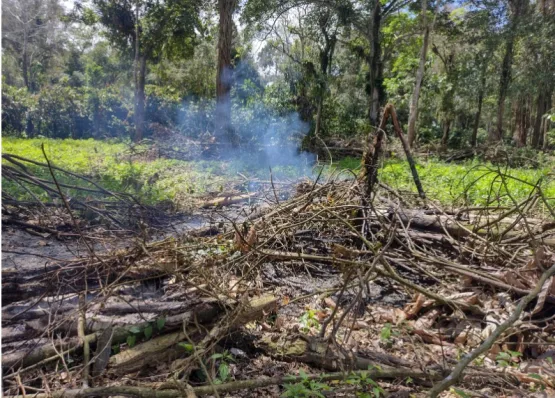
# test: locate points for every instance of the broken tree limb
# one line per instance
(378, 270)
(370, 158)
(323, 354)
(48, 352)
(458, 370)
(158, 348)
(228, 200)
(204, 312)
(180, 388)
(406, 148)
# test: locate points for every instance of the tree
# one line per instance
(517, 9)
(327, 25)
(29, 32)
(411, 132)
(224, 77)
(149, 29)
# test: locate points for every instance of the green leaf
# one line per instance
(460, 393)
(131, 339)
(148, 332)
(187, 347)
(385, 333)
(303, 374)
(160, 323)
(135, 330)
(217, 356)
(223, 371)
(535, 376)
(115, 348)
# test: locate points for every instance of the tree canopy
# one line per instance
(484, 71)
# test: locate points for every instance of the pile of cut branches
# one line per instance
(309, 281)
(47, 196)
(356, 283)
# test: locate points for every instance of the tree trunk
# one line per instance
(25, 61)
(318, 116)
(419, 76)
(224, 75)
(474, 139)
(540, 111)
(376, 68)
(139, 68)
(140, 100)
(326, 56)
(544, 141)
(506, 69)
(446, 128)
(521, 130)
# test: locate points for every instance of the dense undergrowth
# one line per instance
(469, 183)
(120, 167)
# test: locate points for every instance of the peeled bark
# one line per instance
(224, 75)
(25, 62)
(139, 77)
(326, 56)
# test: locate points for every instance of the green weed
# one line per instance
(470, 183)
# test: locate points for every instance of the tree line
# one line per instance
(459, 74)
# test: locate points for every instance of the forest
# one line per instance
(281, 198)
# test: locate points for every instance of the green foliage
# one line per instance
(460, 393)
(508, 358)
(385, 334)
(111, 164)
(366, 387)
(470, 183)
(223, 359)
(474, 183)
(17, 106)
(309, 320)
(307, 388)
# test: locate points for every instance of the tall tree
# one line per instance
(149, 29)
(29, 29)
(517, 9)
(482, 60)
(328, 30)
(413, 111)
(224, 77)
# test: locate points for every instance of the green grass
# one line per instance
(469, 183)
(111, 164)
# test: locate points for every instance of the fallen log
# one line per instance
(203, 312)
(322, 354)
(160, 348)
(26, 357)
(181, 389)
(228, 200)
